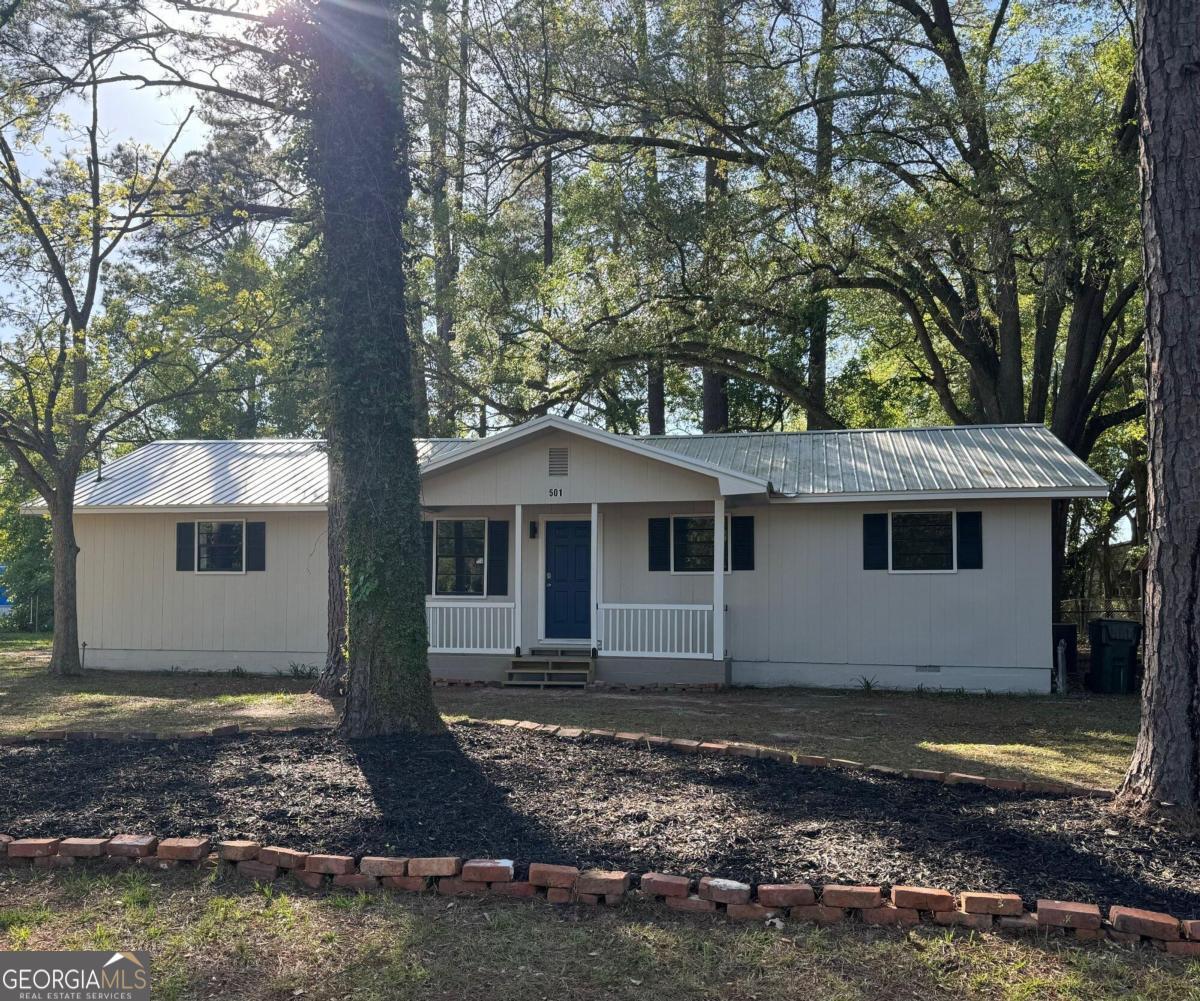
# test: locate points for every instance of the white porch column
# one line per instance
(718, 588)
(519, 583)
(595, 568)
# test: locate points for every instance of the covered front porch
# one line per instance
(575, 578)
(558, 539)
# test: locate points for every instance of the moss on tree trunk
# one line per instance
(358, 142)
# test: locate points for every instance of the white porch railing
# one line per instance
(681, 631)
(470, 626)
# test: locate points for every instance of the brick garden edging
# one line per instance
(747, 750)
(649, 740)
(768, 903)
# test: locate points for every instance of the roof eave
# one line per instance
(189, 508)
(999, 493)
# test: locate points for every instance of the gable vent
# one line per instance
(558, 462)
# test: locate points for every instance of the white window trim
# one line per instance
(728, 546)
(196, 548)
(953, 512)
(433, 591)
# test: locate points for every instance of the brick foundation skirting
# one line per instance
(648, 740)
(770, 904)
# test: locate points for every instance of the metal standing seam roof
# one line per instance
(992, 457)
(798, 465)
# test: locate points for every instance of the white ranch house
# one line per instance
(909, 557)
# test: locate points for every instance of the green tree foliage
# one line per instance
(25, 552)
(88, 353)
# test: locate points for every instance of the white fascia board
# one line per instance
(1011, 493)
(729, 483)
(193, 509)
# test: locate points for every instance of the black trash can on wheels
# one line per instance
(1114, 656)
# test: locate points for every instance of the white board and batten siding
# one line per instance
(136, 611)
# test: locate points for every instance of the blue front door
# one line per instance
(568, 580)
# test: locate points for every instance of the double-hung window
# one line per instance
(692, 541)
(460, 556)
(220, 546)
(922, 541)
(684, 544)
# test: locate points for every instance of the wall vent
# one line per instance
(929, 669)
(558, 462)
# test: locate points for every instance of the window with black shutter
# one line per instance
(684, 544)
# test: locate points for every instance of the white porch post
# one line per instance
(595, 568)
(718, 588)
(518, 584)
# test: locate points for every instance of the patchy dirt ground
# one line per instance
(486, 791)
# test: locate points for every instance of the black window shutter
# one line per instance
(256, 545)
(875, 541)
(741, 542)
(970, 540)
(428, 527)
(497, 563)
(660, 543)
(185, 545)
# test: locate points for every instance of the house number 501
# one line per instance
(556, 491)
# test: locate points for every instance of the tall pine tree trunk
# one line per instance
(656, 398)
(818, 331)
(64, 654)
(714, 386)
(1166, 759)
(358, 142)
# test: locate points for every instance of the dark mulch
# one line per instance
(485, 791)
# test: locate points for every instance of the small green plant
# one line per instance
(303, 672)
(15, 919)
(867, 684)
(238, 672)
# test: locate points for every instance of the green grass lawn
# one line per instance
(117, 700)
(222, 938)
(1085, 740)
(24, 642)
(1074, 739)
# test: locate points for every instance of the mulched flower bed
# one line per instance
(486, 791)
